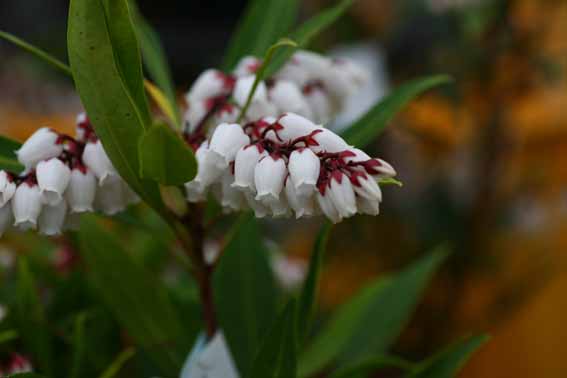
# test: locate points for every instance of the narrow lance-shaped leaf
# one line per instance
(305, 34)
(372, 365)
(368, 324)
(79, 347)
(109, 86)
(8, 159)
(448, 362)
(308, 297)
(115, 367)
(139, 302)
(277, 357)
(245, 293)
(369, 126)
(262, 24)
(165, 157)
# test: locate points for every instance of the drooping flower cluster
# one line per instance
(310, 85)
(276, 166)
(63, 178)
(16, 365)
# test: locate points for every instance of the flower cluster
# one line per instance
(18, 364)
(310, 85)
(276, 166)
(63, 178)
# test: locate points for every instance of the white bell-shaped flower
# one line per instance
(26, 206)
(320, 104)
(367, 187)
(206, 174)
(42, 145)
(344, 78)
(247, 66)
(195, 114)
(6, 218)
(279, 208)
(52, 178)
(52, 219)
(329, 142)
(304, 167)
(81, 190)
(260, 210)
(7, 188)
(243, 87)
(294, 72)
(227, 139)
(302, 205)
(327, 206)
(269, 177)
(315, 64)
(367, 206)
(244, 165)
(232, 199)
(96, 159)
(287, 97)
(211, 83)
(293, 126)
(342, 195)
(109, 197)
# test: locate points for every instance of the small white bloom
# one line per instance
(261, 109)
(206, 175)
(269, 177)
(6, 218)
(289, 272)
(40, 146)
(304, 167)
(214, 360)
(368, 206)
(52, 178)
(245, 163)
(302, 205)
(232, 199)
(287, 97)
(294, 126)
(26, 206)
(260, 210)
(109, 197)
(96, 159)
(247, 66)
(195, 114)
(329, 142)
(319, 103)
(211, 83)
(315, 64)
(81, 190)
(7, 188)
(294, 72)
(279, 208)
(342, 195)
(228, 113)
(227, 139)
(243, 87)
(327, 206)
(344, 78)
(368, 188)
(52, 218)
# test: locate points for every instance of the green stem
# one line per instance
(37, 52)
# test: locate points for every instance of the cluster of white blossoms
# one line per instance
(310, 85)
(63, 177)
(279, 166)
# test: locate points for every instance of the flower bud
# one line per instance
(81, 190)
(342, 195)
(293, 126)
(366, 186)
(315, 64)
(196, 113)
(302, 205)
(211, 83)
(231, 198)
(368, 206)
(109, 197)
(52, 218)
(206, 174)
(329, 142)
(343, 78)
(26, 206)
(247, 66)
(42, 145)
(304, 167)
(96, 159)
(52, 178)
(6, 218)
(287, 97)
(227, 139)
(269, 177)
(327, 206)
(243, 87)
(244, 165)
(7, 188)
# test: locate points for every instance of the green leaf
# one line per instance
(139, 302)
(307, 31)
(9, 335)
(448, 362)
(263, 23)
(367, 325)
(369, 126)
(37, 52)
(79, 347)
(165, 157)
(372, 365)
(8, 158)
(107, 73)
(245, 293)
(32, 324)
(155, 60)
(277, 357)
(25, 375)
(307, 300)
(118, 363)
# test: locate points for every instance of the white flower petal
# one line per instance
(40, 146)
(81, 190)
(26, 206)
(7, 188)
(53, 177)
(269, 177)
(304, 167)
(52, 218)
(96, 159)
